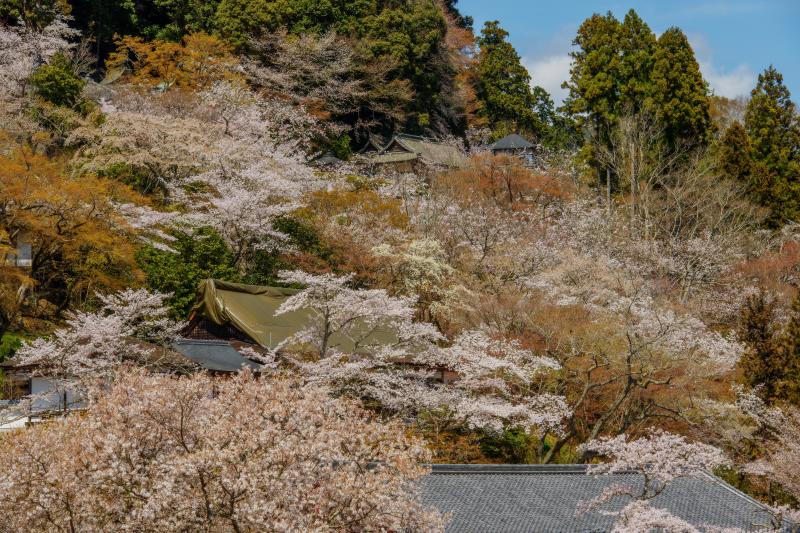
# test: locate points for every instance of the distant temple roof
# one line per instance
(403, 148)
(511, 142)
(544, 498)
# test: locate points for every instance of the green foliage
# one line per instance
(341, 147)
(772, 124)
(411, 34)
(621, 68)
(679, 92)
(511, 446)
(201, 255)
(167, 20)
(57, 82)
(303, 237)
(734, 157)
(503, 85)
(183, 16)
(32, 13)
(772, 360)
(9, 344)
(558, 130)
(138, 178)
(637, 47)
(236, 20)
(595, 73)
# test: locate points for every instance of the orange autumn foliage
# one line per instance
(501, 179)
(79, 242)
(196, 63)
(362, 203)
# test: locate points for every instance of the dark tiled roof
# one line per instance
(511, 142)
(218, 356)
(543, 499)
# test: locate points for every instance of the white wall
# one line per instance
(54, 400)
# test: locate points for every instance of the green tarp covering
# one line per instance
(251, 310)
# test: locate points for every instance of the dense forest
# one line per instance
(634, 282)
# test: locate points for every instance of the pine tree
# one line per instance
(774, 132)
(772, 358)
(594, 76)
(788, 386)
(503, 84)
(637, 47)
(679, 92)
(594, 96)
(734, 157)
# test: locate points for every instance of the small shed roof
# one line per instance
(544, 498)
(511, 142)
(328, 158)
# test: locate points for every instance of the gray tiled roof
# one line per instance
(218, 356)
(543, 499)
(511, 142)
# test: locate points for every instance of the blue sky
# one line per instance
(733, 40)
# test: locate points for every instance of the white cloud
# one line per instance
(550, 72)
(723, 82)
(731, 83)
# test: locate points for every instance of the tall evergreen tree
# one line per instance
(679, 92)
(637, 46)
(734, 157)
(594, 96)
(772, 358)
(774, 131)
(503, 84)
(593, 84)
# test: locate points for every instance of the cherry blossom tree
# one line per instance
(313, 67)
(781, 460)
(476, 383)
(658, 458)
(24, 48)
(367, 318)
(416, 268)
(94, 344)
(229, 159)
(149, 225)
(203, 454)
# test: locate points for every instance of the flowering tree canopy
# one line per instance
(24, 48)
(658, 458)
(94, 344)
(156, 453)
(355, 314)
(492, 384)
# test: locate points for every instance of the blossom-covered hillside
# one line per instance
(624, 288)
